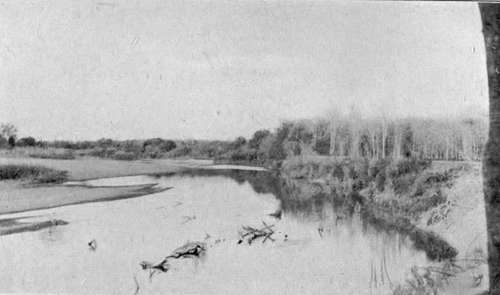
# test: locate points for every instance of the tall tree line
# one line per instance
(377, 138)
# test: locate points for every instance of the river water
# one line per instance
(325, 252)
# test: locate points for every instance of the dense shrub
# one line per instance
(36, 174)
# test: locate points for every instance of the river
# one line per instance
(323, 252)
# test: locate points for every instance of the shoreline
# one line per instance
(18, 196)
(13, 225)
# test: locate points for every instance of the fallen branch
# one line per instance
(188, 250)
(251, 233)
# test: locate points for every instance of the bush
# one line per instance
(66, 155)
(3, 142)
(180, 151)
(403, 183)
(380, 182)
(36, 174)
(300, 133)
(102, 152)
(403, 173)
(161, 145)
(322, 146)
(238, 143)
(26, 141)
(12, 141)
(338, 171)
(51, 176)
(406, 166)
(124, 156)
(258, 138)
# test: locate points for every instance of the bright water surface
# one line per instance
(347, 258)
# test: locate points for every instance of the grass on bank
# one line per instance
(34, 174)
(53, 154)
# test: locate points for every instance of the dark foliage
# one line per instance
(26, 141)
(36, 174)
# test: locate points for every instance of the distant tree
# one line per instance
(407, 141)
(26, 141)
(238, 142)
(277, 150)
(257, 138)
(301, 134)
(168, 145)
(7, 130)
(3, 142)
(159, 144)
(105, 142)
(12, 141)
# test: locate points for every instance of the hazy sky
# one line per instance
(215, 69)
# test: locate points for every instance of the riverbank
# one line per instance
(461, 221)
(438, 205)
